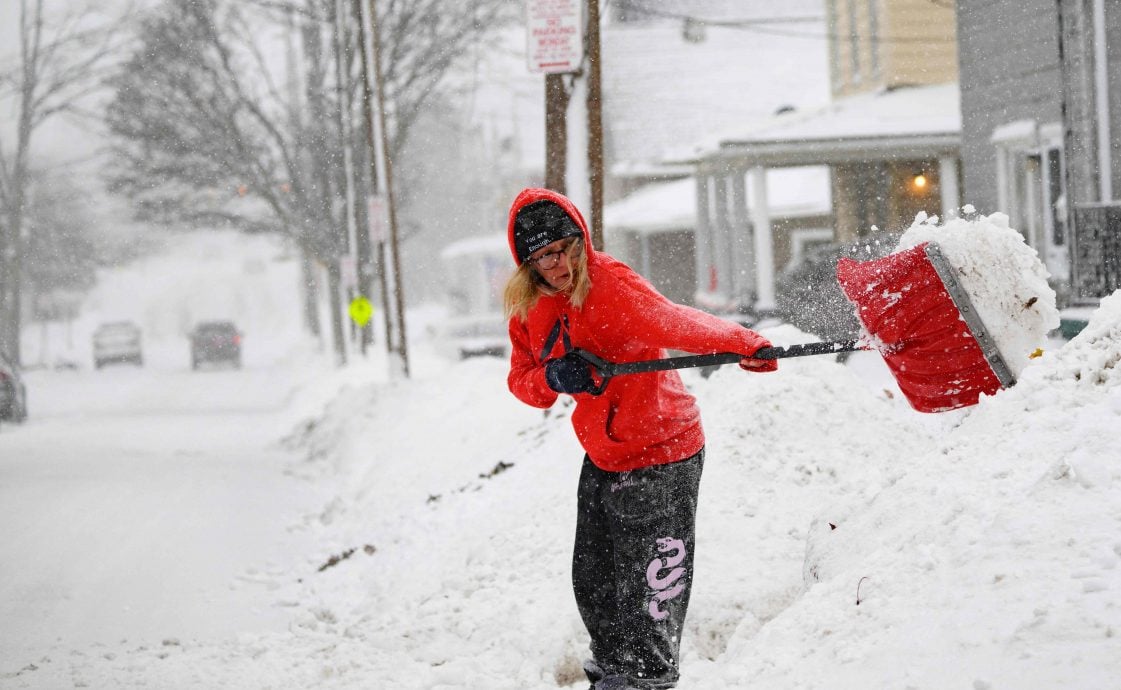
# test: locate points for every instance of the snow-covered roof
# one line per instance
(915, 117)
(657, 207)
(665, 206)
(661, 90)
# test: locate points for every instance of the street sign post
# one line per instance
(554, 36)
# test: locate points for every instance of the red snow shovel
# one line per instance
(927, 330)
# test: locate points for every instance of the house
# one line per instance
(1041, 131)
(674, 73)
(654, 228)
(890, 139)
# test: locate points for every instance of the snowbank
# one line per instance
(999, 550)
(990, 540)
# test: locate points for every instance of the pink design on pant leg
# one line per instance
(664, 586)
(655, 611)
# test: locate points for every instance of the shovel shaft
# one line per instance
(606, 369)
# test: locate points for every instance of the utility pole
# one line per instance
(595, 125)
(372, 162)
(556, 132)
(342, 95)
(371, 24)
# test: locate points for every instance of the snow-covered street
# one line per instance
(142, 505)
(147, 505)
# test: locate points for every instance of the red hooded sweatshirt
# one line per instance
(641, 419)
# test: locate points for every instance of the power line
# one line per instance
(729, 23)
(765, 25)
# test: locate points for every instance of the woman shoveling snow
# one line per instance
(637, 497)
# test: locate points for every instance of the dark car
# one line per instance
(215, 341)
(13, 393)
(117, 341)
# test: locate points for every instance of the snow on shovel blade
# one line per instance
(925, 327)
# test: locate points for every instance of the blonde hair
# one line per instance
(526, 285)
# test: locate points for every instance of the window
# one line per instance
(1031, 188)
(804, 239)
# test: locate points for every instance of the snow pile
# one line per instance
(992, 542)
(999, 550)
(468, 498)
(1004, 277)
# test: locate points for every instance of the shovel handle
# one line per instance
(606, 370)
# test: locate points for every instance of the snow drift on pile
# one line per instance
(1004, 277)
(998, 551)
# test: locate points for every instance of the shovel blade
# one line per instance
(929, 348)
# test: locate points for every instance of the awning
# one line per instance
(669, 206)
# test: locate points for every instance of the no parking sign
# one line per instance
(554, 36)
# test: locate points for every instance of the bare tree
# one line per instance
(56, 69)
(60, 255)
(208, 130)
(423, 41)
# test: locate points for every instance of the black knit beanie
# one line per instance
(541, 223)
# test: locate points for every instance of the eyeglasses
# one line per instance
(549, 260)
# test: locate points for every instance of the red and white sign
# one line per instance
(555, 35)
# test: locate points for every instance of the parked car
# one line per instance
(117, 341)
(215, 341)
(13, 393)
(475, 271)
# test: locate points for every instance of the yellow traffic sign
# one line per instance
(361, 309)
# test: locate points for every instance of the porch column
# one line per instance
(743, 254)
(764, 247)
(948, 182)
(1002, 199)
(703, 235)
(723, 235)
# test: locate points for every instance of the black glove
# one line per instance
(569, 374)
